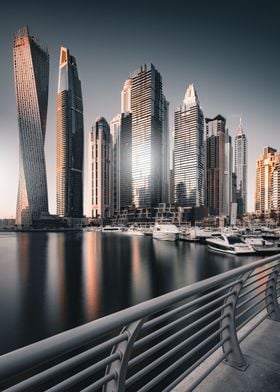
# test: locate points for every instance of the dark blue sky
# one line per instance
(229, 50)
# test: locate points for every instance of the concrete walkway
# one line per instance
(261, 350)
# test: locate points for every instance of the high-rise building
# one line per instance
(165, 191)
(218, 166)
(99, 176)
(275, 194)
(189, 152)
(241, 169)
(70, 139)
(126, 97)
(121, 164)
(264, 179)
(31, 72)
(147, 129)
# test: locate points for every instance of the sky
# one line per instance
(228, 49)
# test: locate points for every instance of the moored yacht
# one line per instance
(166, 232)
(133, 231)
(110, 229)
(231, 244)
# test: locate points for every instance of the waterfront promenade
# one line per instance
(261, 351)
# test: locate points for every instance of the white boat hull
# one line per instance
(231, 251)
(134, 233)
(164, 236)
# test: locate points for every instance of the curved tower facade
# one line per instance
(70, 139)
(31, 73)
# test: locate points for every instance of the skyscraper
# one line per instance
(121, 164)
(147, 129)
(189, 152)
(264, 179)
(218, 166)
(31, 72)
(99, 175)
(240, 168)
(126, 97)
(70, 139)
(165, 189)
(275, 194)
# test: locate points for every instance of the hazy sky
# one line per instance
(229, 50)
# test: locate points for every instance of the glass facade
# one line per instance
(70, 139)
(31, 73)
(218, 166)
(121, 166)
(241, 169)
(147, 128)
(189, 152)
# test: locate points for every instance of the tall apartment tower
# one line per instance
(99, 176)
(121, 164)
(275, 196)
(165, 186)
(189, 152)
(147, 129)
(241, 169)
(70, 139)
(31, 73)
(264, 179)
(218, 166)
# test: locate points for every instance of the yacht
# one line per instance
(231, 244)
(189, 235)
(110, 229)
(133, 231)
(166, 232)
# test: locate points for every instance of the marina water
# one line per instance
(51, 282)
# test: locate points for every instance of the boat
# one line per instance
(110, 229)
(204, 233)
(166, 232)
(189, 235)
(231, 244)
(267, 250)
(133, 231)
(148, 231)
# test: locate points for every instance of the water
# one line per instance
(51, 282)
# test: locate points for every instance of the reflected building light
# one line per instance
(91, 276)
(141, 291)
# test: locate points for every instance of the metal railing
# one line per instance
(156, 344)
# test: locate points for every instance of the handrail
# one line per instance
(24, 359)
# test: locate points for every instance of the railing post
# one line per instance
(235, 358)
(119, 366)
(271, 301)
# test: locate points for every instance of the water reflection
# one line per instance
(32, 260)
(56, 281)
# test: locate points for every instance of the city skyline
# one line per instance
(243, 83)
